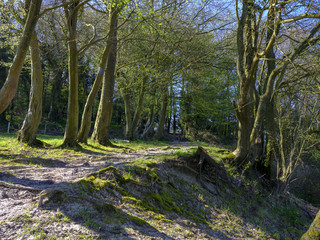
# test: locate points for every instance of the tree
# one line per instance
(55, 55)
(9, 88)
(252, 32)
(32, 120)
(313, 232)
(101, 129)
(70, 135)
(87, 112)
(132, 120)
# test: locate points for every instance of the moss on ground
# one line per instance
(154, 194)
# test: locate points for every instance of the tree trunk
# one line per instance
(247, 64)
(87, 112)
(171, 106)
(313, 232)
(54, 113)
(10, 86)
(127, 107)
(32, 120)
(148, 131)
(57, 64)
(132, 123)
(103, 120)
(137, 114)
(163, 114)
(243, 145)
(70, 135)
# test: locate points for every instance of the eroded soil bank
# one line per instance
(130, 192)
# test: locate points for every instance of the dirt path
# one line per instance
(16, 198)
(153, 199)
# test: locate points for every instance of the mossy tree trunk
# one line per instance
(250, 52)
(87, 112)
(103, 119)
(70, 135)
(10, 86)
(264, 113)
(313, 232)
(247, 63)
(32, 120)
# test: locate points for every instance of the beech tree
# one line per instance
(103, 120)
(32, 120)
(87, 112)
(252, 33)
(9, 88)
(71, 131)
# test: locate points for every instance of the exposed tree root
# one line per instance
(18, 186)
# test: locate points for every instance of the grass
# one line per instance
(147, 194)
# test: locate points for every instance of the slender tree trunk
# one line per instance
(87, 112)
(174, 124)
(271, 143)
(103, 120)
(54, 113)
(163, 114)
(127, 107)
(137, 114)
(57, 63)
(32, 120)
(10, 86)
(171, 106)
(70, 135)
(148, 131)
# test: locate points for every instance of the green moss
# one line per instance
(229, 157)
(138, 220)
(108, 169)
(106, 208)
(129, 199)
(93, 183)
(313, 232)
(165, 201)
(139, 204)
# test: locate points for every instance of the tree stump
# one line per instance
(218, 172)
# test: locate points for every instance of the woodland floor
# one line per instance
(136, 191)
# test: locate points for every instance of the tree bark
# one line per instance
(127, 108)
(103, 120)
(132, 122)
(163, 114)
(313, 232)
(54, 112)
(148, 131)
(87, 112)
(247, 64)
(32, 120)
(10, 86)
(137, 114)
(70, 135)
